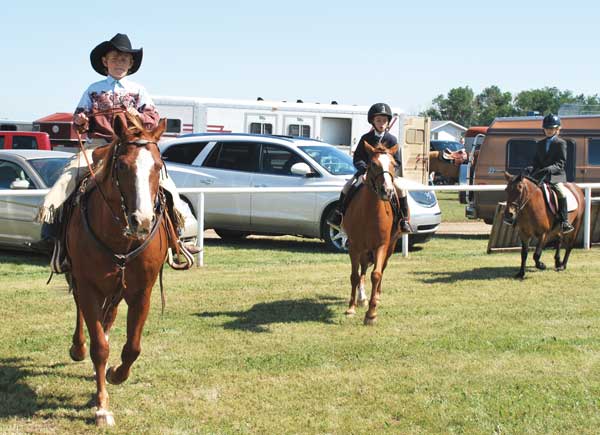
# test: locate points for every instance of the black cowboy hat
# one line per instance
(118, 42)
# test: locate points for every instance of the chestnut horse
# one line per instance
(446, 165)
(525, 206)
(117, 242)
(369, 224)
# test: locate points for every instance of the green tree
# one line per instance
(492, 103)
(458, 106)
(548, 99)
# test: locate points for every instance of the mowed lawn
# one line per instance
(257, 342)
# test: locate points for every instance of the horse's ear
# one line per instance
(160, 129)
(120, 125)
(508, 176)
(393, 150)
(370, 149)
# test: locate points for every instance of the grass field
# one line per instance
(257, 343)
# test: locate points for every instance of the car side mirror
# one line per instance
(301, 168)
(20, 184)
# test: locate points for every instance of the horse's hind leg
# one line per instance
(78, 349)
(362, 296)
(136, 318)
(538, 253)
(355, 281)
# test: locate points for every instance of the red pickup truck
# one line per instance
(24, 140)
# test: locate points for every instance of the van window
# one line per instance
(299, 130)
(184, 153)
(261, 128)
(1, 142)
(173, 126)
(24, 143)
(594, 151)
(519, 154)
(236, 156)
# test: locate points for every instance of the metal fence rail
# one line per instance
(201, 191)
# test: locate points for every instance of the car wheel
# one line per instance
(335, 238)
(231, 235)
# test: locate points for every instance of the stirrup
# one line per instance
(406, 227)
(175, 261)
(566, 227)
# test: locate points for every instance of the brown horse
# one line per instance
(117, 239)
(446, 165)
(525, 206)
(369, 224)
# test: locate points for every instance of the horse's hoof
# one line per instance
(520, 276)
(104, 418)
(77, 353)
(540, 266)
(110, 373)
(560, 268)
(351, 311)
(370, 321)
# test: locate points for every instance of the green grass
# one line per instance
(257, 343)
(452, 209)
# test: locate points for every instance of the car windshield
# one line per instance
(333, 160)
(452, 146)
(49, 169)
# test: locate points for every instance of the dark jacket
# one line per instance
(361, 157)
(550, 166)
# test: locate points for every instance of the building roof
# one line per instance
(436, 125)
(57, 117)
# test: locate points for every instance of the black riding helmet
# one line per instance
(551, 121)
(379, 109)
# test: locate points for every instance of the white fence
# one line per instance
(455, 188)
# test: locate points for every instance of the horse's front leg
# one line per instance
(376, 276)
(538, 252)
(362, 296)
(355, 280)
(524, 251)
(92, 313)
(137, 314)
(78, 349)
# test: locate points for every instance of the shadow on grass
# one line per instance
(18, 399)
(478, 274)
(284, 243)
(18, 257)
(260, 316)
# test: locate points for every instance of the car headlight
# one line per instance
(426, 199)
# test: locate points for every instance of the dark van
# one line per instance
(510, 145)
(24, 140)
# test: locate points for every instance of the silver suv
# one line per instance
(251, 160)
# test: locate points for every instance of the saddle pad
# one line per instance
(551, 199)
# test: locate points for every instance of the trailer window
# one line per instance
(173, 126)
(299, 130)
(416, 136)
(236, 156)
(520, 153)
(261, 128)
(184, 153)
(594, 151)
(24, 143)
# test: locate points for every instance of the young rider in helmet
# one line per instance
(379, 116)
(549, 165)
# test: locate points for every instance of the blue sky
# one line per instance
(350, 51)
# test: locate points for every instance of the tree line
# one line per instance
(462, 106)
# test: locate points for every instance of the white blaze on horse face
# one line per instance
(386, 163)
(144, 206)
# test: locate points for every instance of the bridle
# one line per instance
(372, 180)
(521, 202)
(115, 176)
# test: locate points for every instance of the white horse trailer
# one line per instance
(336, 124)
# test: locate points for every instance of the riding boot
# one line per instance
(335, 219)
(565, 225)
(405, 225)
(48, 237)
